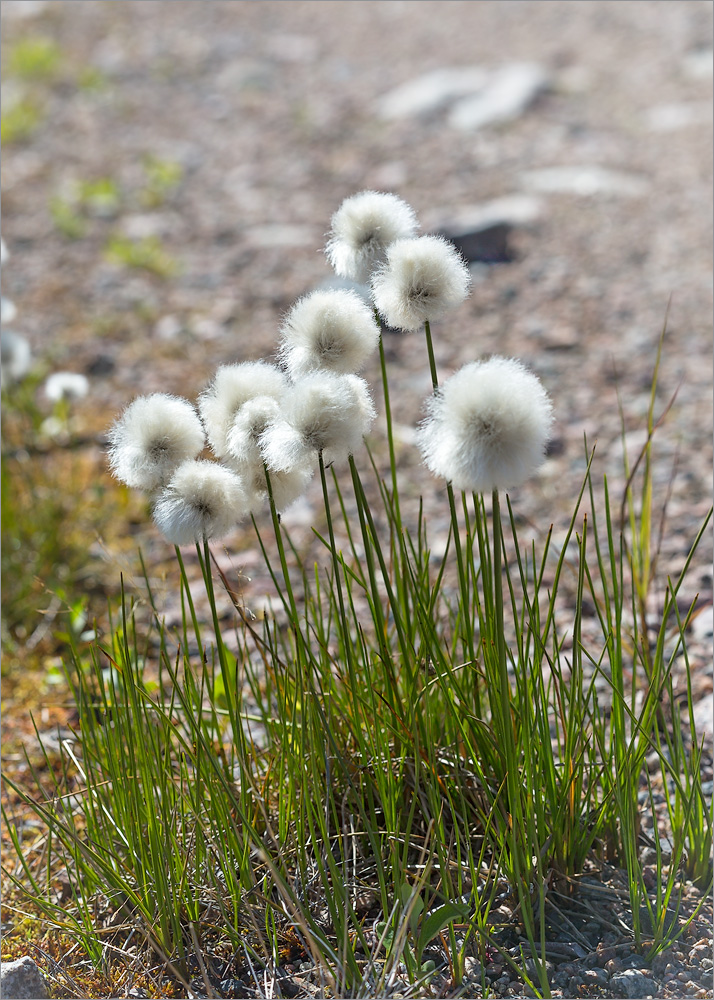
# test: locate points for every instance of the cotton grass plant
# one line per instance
(408, 739)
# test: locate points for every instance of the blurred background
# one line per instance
(169, 174)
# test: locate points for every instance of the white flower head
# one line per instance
(487, 427)
(153, 436)
(322, 412)
(202, 500)
(286, 484)
(16, 357)
(333, 330)
(362, 229)
(232, 387)
(421, 279)
(66, 385)
(243, 438)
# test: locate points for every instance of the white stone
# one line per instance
(585, 181)
(699, 64)
(670, 117)
(430, 92)
(507, 95)
(515, 210)
(281, 236)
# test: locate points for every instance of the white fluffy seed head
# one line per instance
(487, 427)
(202, 500)
(332, 330)
(286, 484)
(232, 387)
(362, 229)
(153, 436)
(323, 412)
(421, 279)
(243, 438)
(66, 385)
(16, 357)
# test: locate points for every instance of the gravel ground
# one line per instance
(587, 139)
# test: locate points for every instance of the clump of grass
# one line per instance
(163, 177)
(147, 254)
(34, 58)
(404, 739)
(19, 120)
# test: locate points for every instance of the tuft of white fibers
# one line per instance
(232, 387)
(16, 357)
(243, 438)
(287, 485)
(152, 437)
(322, 412)
(66, 385)
(202, 500)
(362, 229)
(421, 279)
(487, 427)
(332, 330)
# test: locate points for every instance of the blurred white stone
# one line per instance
(515, 210)
(9, 310)
(281, 236)
(23, 9)
(699, 64)
(585, 181)
(670, 117)
(431, 91)
(507, 95)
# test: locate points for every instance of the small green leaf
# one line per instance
(438, 920)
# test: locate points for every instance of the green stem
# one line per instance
(432, 360)
(390, 431)
(466, 616)
(336, 568)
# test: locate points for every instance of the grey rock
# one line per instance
(22, 980)
(485, 245)
(586, 181)
(508, 94)
(595, 977)
(430, 92)
(632, 983)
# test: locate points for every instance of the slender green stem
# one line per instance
(336, 569)
(432, 360)
(390, 431)
(467, 617)
(498, 603)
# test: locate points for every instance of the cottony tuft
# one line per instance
(328, 331)
(203, 500)
(487, 427)
(421, 279)
(362, 228)
(323, 413)
(151, 438)
(232, 387)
